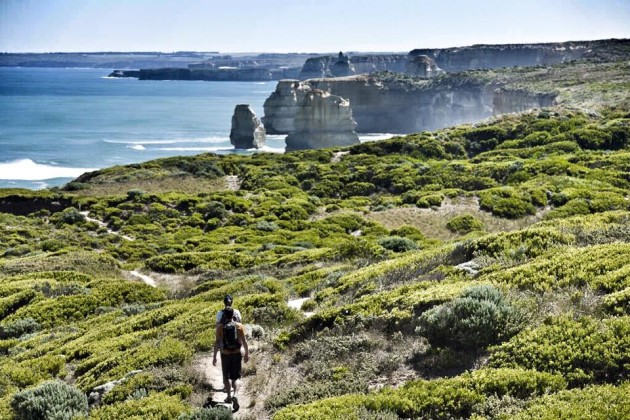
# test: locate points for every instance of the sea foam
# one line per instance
(28, 170)
(169, 141)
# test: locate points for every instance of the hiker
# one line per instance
(227, 301)
(230, 337)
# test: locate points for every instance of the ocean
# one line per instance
(56, 124)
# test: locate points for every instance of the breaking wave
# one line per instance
(28, 170)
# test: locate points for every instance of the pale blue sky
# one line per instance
(300, 25)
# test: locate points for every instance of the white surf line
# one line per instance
(103, 224)
(146, 279)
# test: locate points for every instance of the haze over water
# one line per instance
(56, 124)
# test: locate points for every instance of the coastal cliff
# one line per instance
(328, 66)
(474, 57)
(390, 103)
(322, 120)
(208, 74)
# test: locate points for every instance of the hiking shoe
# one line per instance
(228, 400)
(235, 405)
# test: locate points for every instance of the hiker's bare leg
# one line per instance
(234, 386)
(228, 389)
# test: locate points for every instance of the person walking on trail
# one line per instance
(227, 301)
(230, 337)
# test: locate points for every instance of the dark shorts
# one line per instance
(231, 366)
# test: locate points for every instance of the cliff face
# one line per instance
(470, 58)
(496, 56)
(402, 106)
(281, 107)
(322, 120)
(393, 107)
(329, 66)
(507, 100)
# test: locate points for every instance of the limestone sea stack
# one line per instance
(247, 131)
(322, 120)
(281, 107)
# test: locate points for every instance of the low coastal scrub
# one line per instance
(583, 351)
(51, 400)
(515, 306)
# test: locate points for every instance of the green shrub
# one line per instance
(312, 391)
(464, 224)
(506, 202)
(359, 189)
(601, 267)
(618, 303)
(18, 328)
(481, 316)
(442, 399)
(213, 210)
(603, 402)
(155, 406)
(52, 245)
(397, 244)
(217, 413)
(50, 401)
(69, 216)
(583, 351)
(432, 200)
(11, 304)
(592, 139)
(266, 226)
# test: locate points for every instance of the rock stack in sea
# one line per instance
(322, 120)
(247, 131)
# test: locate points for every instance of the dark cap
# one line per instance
(227, 300)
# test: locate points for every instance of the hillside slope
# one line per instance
(472, 272)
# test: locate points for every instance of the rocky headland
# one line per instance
(425, 62)
(389, 103)
(474, 57)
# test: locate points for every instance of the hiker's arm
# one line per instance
(241, 332)
(216, 345)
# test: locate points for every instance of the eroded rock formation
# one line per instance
(281, 107)
(322, 120)
(423, 66)
(389, 104)
(342, 67)
(247, 131)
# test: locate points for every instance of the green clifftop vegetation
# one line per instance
(473, 272)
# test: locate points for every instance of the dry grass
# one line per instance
(183, 184)
(432, 222)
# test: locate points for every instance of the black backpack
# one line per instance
(224, 320)
(230, 337)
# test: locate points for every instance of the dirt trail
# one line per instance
(233, 183)
(103, 224)
(214, 377)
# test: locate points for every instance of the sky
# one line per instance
(300, 25)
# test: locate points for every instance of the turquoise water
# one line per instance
(58, 123)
